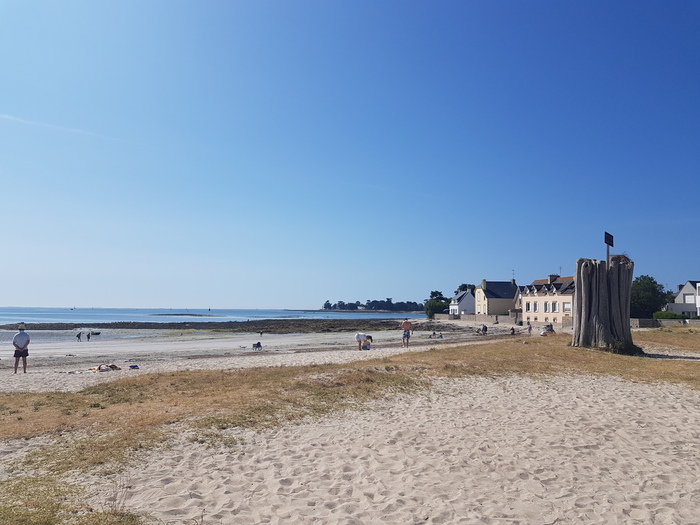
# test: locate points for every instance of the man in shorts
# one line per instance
(21, 343)
(407, 327)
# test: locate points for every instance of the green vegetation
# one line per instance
(433, 307)
(647, 296)
(437, 304)
(668, 315)
(387, 305)
(465, 287)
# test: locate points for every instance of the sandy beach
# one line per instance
(577, 449)
(64, 364)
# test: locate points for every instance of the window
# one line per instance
(567, 308)
(555, 307)
(688, 298)
(554, 320)
(546, 307)
(527, 307)
(534, 308)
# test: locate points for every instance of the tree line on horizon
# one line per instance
(436, 303)
(376, 305)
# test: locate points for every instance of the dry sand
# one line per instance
(580, 449)
(576, 450)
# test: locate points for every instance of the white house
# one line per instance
(462, 303)
(687, 300)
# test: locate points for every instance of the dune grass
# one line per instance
(100, 429)
(45, 500)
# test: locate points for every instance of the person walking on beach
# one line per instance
(21, 343)
(80, 334)
(362, 338)
(407, 327)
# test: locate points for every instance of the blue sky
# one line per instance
(276, 154)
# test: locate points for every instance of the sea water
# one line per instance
(87, 316)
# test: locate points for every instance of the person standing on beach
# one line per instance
(407, 327)
(21, 343)
(361, 338)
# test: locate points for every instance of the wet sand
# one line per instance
(63, 364)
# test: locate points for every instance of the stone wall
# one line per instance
(507, 320)
(567, 322)
(658, 323)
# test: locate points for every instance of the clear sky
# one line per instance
(277, 154)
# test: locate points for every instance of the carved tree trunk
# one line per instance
(602, 305)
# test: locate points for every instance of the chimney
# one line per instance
(551, 278)
(483, 284)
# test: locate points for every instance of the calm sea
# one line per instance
(12, 315)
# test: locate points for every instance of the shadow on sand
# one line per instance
(666, 356)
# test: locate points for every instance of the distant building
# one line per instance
(687, 300)
(546, 300)
(462, 303)
(495, 297)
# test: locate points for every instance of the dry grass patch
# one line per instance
(552, 355)
(681, 338)
(108, 423)
(31, 500)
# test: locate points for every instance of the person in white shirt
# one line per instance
(21, 343)
(361, 338)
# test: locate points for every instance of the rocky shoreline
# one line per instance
(270, 326)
